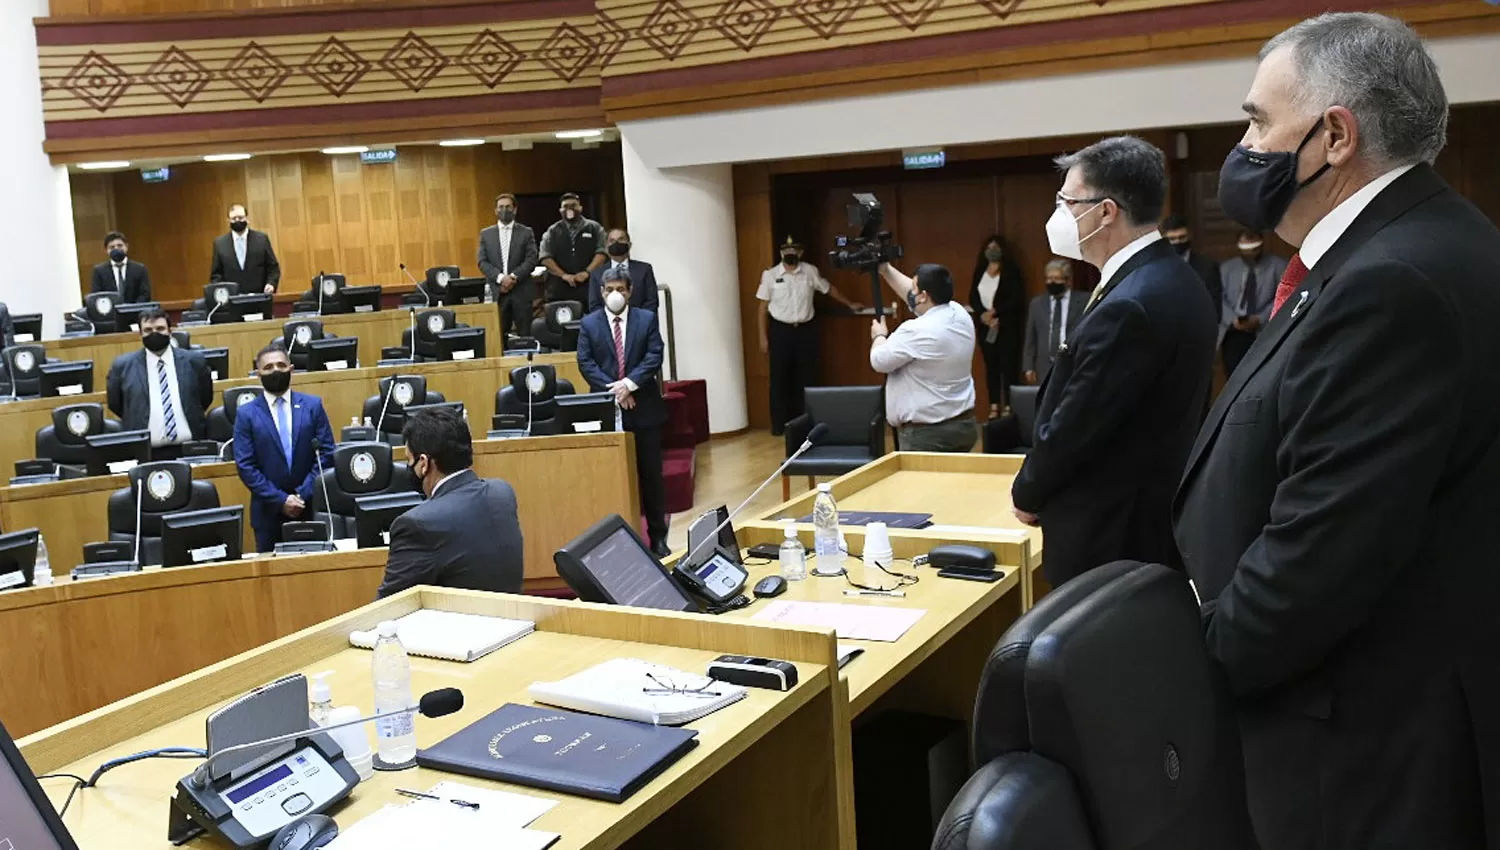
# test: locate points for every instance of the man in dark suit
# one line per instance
(1118, 413)
(1338, 512)
(244, 256)
(278, 440)
(1176, 231)
(161, 388)
(642, 277)
(507, 254)
(467, 534)
(120, 273)
(1051, 320)
(619, 351)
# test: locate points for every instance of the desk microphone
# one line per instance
(140, 491)
(214, 309)
(530, 394)
(412, 352)
(390, 390)
(815, 436)
(439, 703)
(425, 295)
(320, 292)
(327, 503)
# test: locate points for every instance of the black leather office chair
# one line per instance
(545, 387)
(99, 311)
(168, 488)
(216, 295)
(297, 336)
(408, 390)
(23, 366)
(359, 469)
(429, 324)
(855, 417)
(1013, 432)
(184, 340)
(221, 418)
(63, 440)
(1101, 722)
(557, 328)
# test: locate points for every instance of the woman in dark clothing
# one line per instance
(998, 298)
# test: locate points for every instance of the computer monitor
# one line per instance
(28, 818)
(374, 514)
(61, 379)
(330, 355)
(585, 414)
(455, 406)
(609, 564)
(463, 290)
(112, 453)
(253, 308)
(361, 299)
(128, 316)
(218, 362)
(460, 344)
(202, 537)
(17, 562)
(704, 526)
(28, 326)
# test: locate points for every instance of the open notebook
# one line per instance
(631, 689)
(449, 635)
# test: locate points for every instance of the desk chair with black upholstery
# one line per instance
(359, 469)
(63, 441)
(1013, 432)
(408, 390)
(429, 324)
(99, 311)
(855, 417)
(1101, 722)
(168, 488)
(216, 295)
(297, 337)
(221, 418)
(546, 387)
(23, 368)
(557, 328)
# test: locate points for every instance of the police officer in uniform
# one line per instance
(571, 249)
(787, 332)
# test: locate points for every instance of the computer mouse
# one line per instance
(305, 833)
(770, 586)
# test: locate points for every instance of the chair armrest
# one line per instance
(877, 436)
(796, 433)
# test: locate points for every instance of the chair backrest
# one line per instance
(1023, 404)
(561, 315)
(330, 283)
(430, 323)
(404, 391)
(168, 488)
(24, 362)
(847, 411)
(218, 294)
(236, 396)
(99, 308)
(183, 339)
(1019, 801)
(359, 469)
(301, 333)
(74, 422)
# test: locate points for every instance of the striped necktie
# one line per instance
(619, 348)
(168, 418)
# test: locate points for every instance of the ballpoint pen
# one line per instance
(420, 796)
(898, 594)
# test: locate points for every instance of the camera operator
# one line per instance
(929, 364)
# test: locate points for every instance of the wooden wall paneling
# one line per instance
(352, 256)
(291, 240)
(382, 228)
(753, 239)
(464, 195)
(411, 214)
(440, 225)
(93, 216)
(319, 198)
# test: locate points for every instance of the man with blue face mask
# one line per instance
(1118, 412)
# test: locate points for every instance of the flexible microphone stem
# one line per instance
(806, 444)
(390, 390)
(327, 503)
(412, 352)
(320, 292)
(426, 296)
(139, 492)
(201, 772)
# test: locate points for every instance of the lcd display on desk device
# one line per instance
(250, 789)
(630, 576)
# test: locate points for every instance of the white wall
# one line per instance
(37, 214)
(682, 221)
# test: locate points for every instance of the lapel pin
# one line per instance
(1301, 302)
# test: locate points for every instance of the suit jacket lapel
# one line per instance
(1155, 251)
(1410, 189)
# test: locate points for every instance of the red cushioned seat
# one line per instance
(679, 459)
(696, 391)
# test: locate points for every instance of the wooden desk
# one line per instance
(741, 764)
(72, 513)
(968, 496)
(375, 331)
(473, 382)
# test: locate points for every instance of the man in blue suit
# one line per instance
(1120, 408)
(619, 351)
(277, 438)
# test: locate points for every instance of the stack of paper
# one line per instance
(850, 622)
(631, 689)
(500, 821)
(450, 636)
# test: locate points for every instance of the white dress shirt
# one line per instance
(790, 292)
(1327, 231)
(438, 486)
(503, 231)
(988, 286)
(1120, 257)
(157, 423)
(624, 318)
(929, 362)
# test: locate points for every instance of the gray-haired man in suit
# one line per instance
(1050, 320)
(507, 254)
(1249, 288)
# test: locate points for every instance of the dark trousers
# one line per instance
(560, 290)
(999, 368)
(268, 535)
(515, 309)
(794, 365)
(648, 471)
(1236, 345)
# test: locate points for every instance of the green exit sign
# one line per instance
(914, 160)
(156, 175)
(377, 157)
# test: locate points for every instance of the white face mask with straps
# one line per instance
(1062, 232)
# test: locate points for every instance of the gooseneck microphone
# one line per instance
(427, 296)
(439, 703)
(815, 436)
(323, 481)
(320, 292)
(140, 490)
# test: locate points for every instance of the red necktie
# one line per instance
(619, 348)
(1290, 279)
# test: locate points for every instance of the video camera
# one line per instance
(872, 246)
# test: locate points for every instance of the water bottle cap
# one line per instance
(387, 628)
(825, 488)
(791, 532)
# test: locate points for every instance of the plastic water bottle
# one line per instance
(793, 556)
(396, 738)
(826, 533)
(41, 575)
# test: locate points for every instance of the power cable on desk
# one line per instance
(81, 783)
(78, 782)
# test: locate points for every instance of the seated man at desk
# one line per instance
(161, 388)
(278, 439)
(467, 534)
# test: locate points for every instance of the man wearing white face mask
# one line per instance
(1120, 408)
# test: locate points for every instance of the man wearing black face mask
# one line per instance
(1338, 513)
(467, 534)
(1249, 290)
(278, 438)
(642, 275)
(121, 274)
(161, 389)
(1050, 320)
(507, 256)
(1176, 231)
(244, 256)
